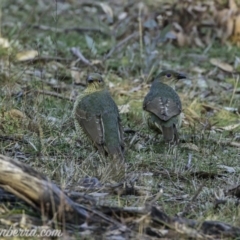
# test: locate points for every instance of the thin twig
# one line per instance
(76, 51)
(171, 180)
(67, 30)
(234, 90)
(102, 216)
(53, 94)
(158, 195)
(189, 161)
(49, 58)
(198, 192)
(120, 44)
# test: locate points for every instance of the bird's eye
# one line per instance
(168, 75)
(99, 80)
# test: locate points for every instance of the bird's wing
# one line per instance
(92, 125)
(164, 108)
(120, 133)
(113, 135)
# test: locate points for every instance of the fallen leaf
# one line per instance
(222, 65)
(235, 144)
(230, 127)
(231, 109)
(122, 15)
(4, 43)
(26, 55)
(124, 108)
(236, 31)
(107, 9)
(190, 146)
(198, 42)
(227, 168)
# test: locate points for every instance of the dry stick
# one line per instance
(102, 216)
(19, 195)
(180, 225)
(158, 195)
(193, 228)
(39, 192)
(48, 58)
(234, 90)
(66, 30)
(53, 94)
(120, 44)
(31, 186)
(171, 179)
(76, 51)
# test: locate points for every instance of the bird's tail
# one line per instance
(115, 151)
(170, 134)
(117, 163)
(119, 156)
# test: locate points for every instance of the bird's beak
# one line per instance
(181, 76)
(89, 80)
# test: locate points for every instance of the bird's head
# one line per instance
(95, 82)
(170, 77)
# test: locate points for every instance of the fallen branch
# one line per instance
(67, 30)
(53, 94)
(41, 194)
(192, 228)
(76, 51)
(48, 59)
(35, 189)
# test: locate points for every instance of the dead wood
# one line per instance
(193, 228)
(35, 189)
(40, 193)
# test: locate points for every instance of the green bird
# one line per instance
(96, 115)
(164, 105)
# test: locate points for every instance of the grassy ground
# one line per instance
(42, 133)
